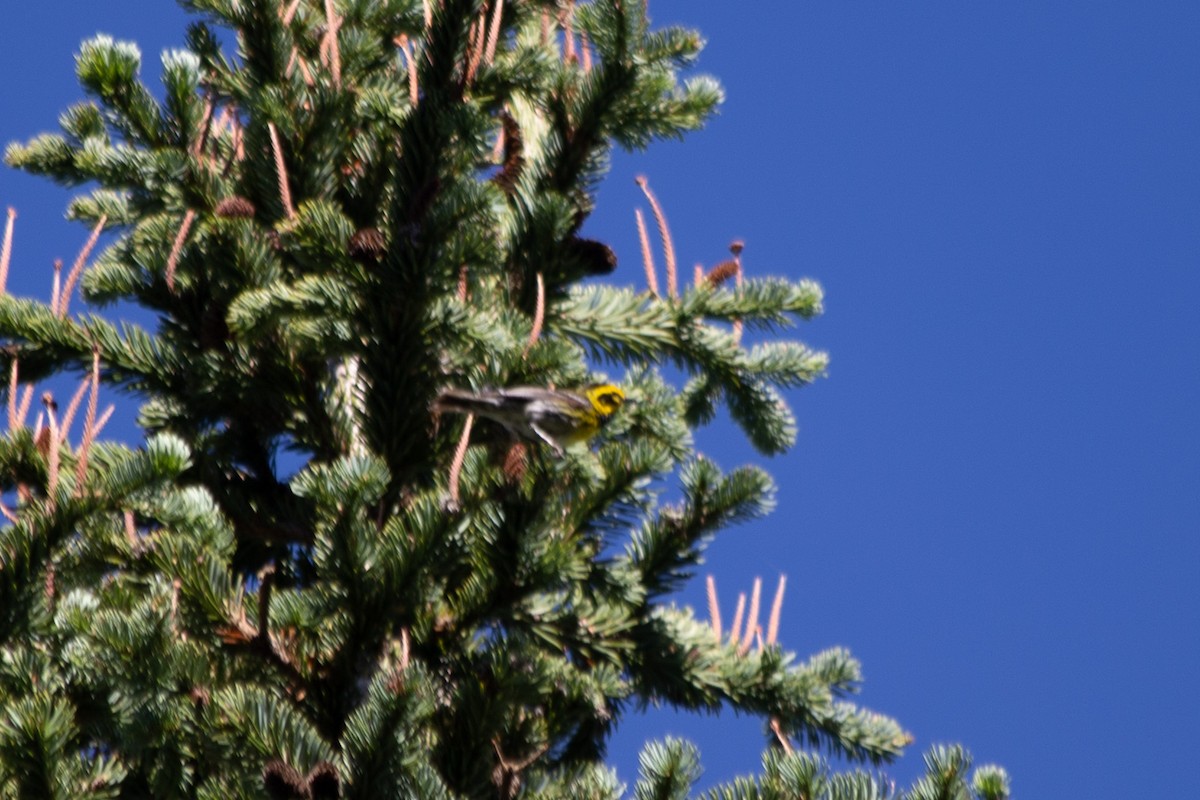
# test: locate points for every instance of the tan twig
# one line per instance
(714, 608)
(227, 122)
(647, 254)
(305, 73)
(104, 418)
(290, 12)
(475, 45)
(545, 35)
(751, 618)
(493, 33)
(285, 194)
(698, 275)
(89, 424)
(8, 514)
(72, 408)
(333, 23)
(460, 455)
(266, 577)
(77, 268)
(462, 291)
(202, 128)
(735, 632)
(539, 316)
(777, 729)
(13, 385)
(56, 287)
(664, 233)
(239, 139)
(568, 23)
(585, 49)
(6, 248)
(414, 80)
(396, 679)
(23, 410)
(177, 247)
(507, 774)
(428, 8)
(411, 66)
(776, 612)
(131, 534)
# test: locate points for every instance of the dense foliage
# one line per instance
(299, 586)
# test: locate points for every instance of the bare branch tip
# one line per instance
(714, 607)
(56, 288)
(460, 455)
(647, 254)
(77, 268)
(177, 247)
(539, 316)
(285, 193)
(493, 33)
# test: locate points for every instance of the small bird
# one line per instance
(555, 416)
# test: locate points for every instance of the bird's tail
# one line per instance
(461, 401)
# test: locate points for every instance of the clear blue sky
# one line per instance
(995, 498)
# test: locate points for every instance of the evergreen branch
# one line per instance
(109, 70)
(668, 770)
(592, 780)
(49, 154)
(184, 110)
(6, 247)
(945, 775)
(803, 775)
(382, 758)
(315, 313)
(616, 324)
(27, 547)
(348, 251)
(84, 121)
(632, 328)
(118, 166)
(260, 724)
(113, 207)
(36, 735)
(46, 342)
(679, 662)
(808, 709)
(764, 302)
(664, 549)
(621, 493)
(991, 782)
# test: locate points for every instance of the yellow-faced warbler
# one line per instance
(555, 416)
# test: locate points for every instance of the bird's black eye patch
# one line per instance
(610, 399)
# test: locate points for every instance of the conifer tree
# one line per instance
(308, 584)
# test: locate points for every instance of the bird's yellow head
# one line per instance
(605, 398)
